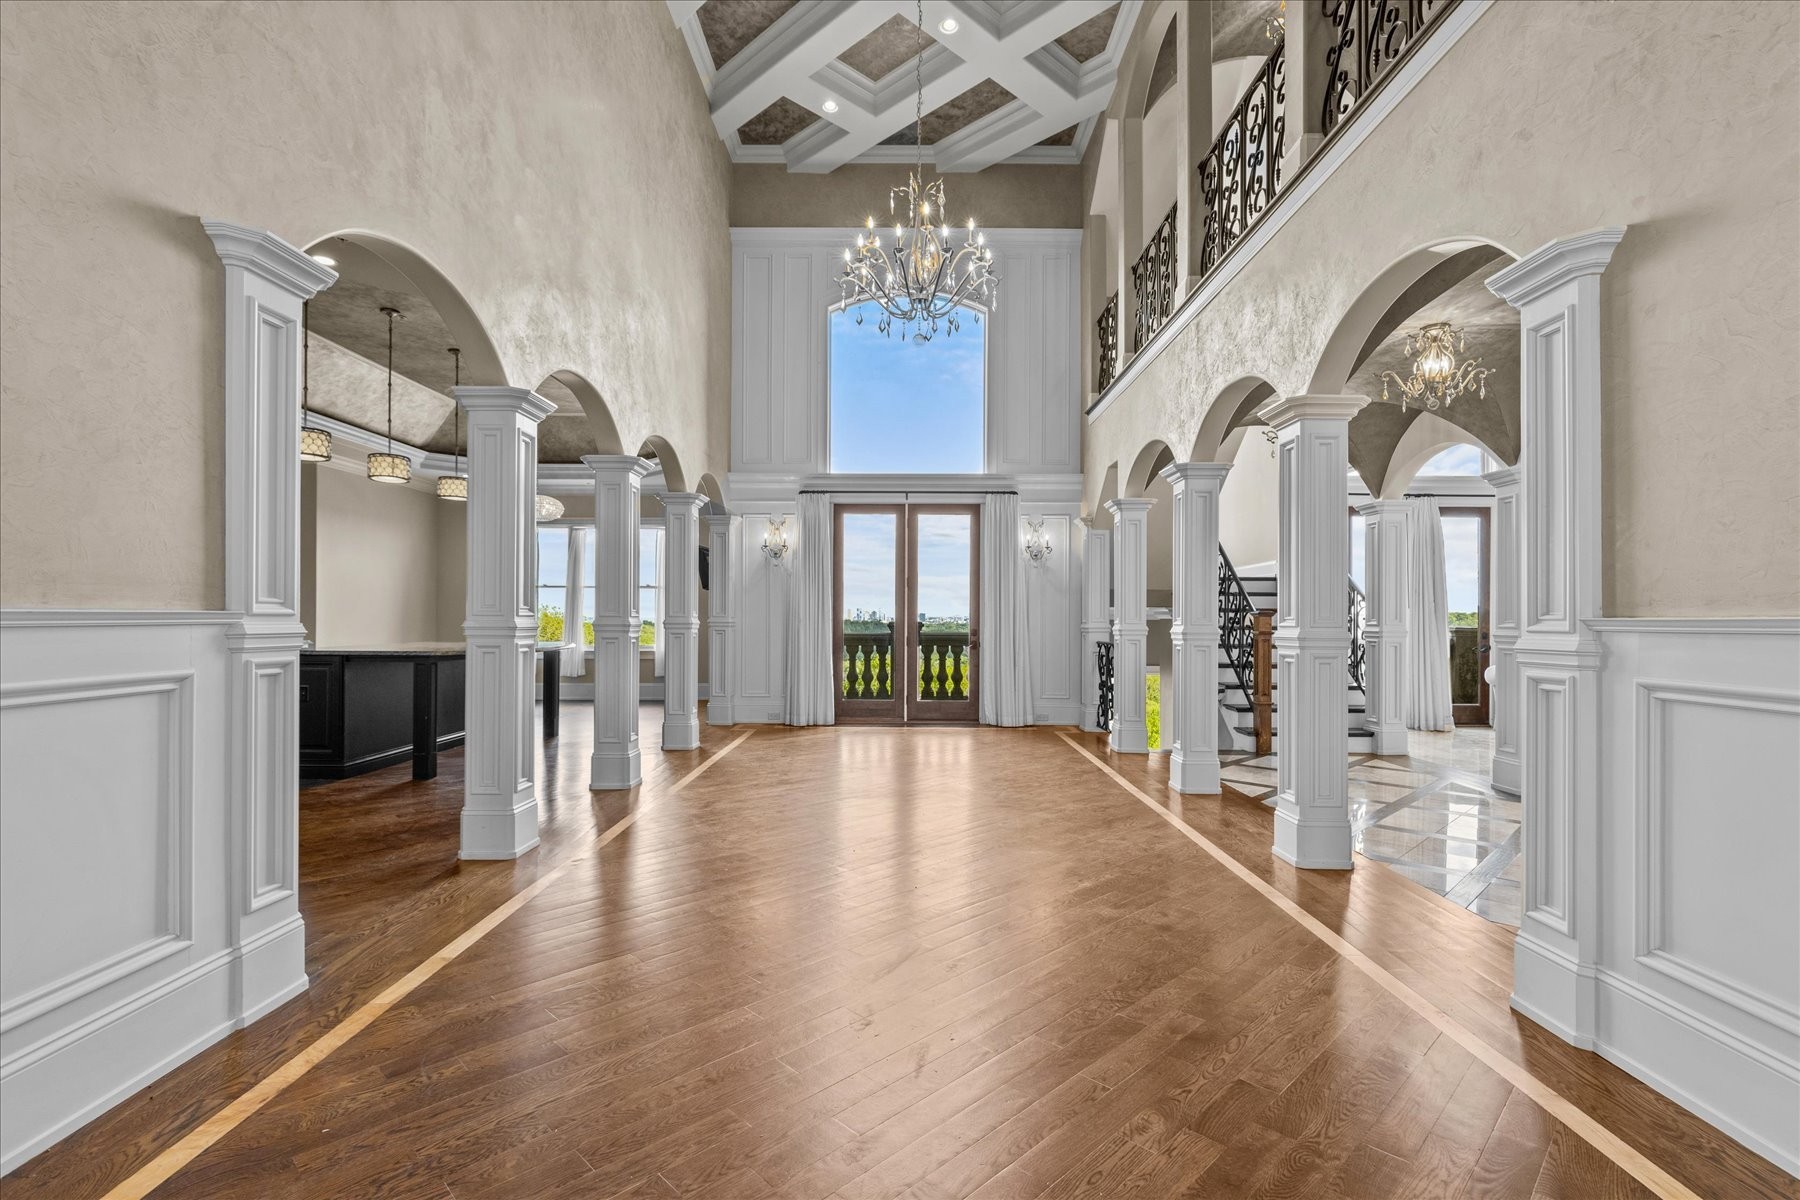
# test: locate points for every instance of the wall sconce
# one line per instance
(775, 540)
(1273, 438)
(1037, 542)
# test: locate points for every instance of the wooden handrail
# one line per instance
(1263, 695)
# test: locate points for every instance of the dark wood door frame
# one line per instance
(852, 710)
(925, 711)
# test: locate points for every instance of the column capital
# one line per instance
(618, 463)
(272, 257)
(1384, 508)
(1554, 264)
(678, 501)
(1200, 473)
(523, 401)
(1504, 477)
(716, 522)
(1284, 411)
(1120, 508)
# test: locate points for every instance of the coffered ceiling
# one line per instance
(815, 84)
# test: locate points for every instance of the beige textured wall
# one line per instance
(1006, 196)
(502, 142)
(1545, 120)
(1250, 502)
(375, 564)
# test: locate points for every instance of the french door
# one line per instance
(907, 590)
(1466, 564)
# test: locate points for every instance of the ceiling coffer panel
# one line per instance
(885, 49)
(984, 98)
(775, 124)
(1088, 40)
(730, 25)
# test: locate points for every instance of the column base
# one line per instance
(489, 834)
(1194, 774)
(1552, 989)
(1128, 740)
(615, 770)
(1389, 740)
(718, 711)
(681, 733)
(1313, 845)
(271, 969)
(1506, 772)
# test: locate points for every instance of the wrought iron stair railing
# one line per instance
(1359, 646)
(1103, 712)
(1237, 634)
(1153, 283)
(1364, 40)
(1242, 172)
(1106, 349)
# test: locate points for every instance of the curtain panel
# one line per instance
(1428, 621)
(811, 693)
(1004, 655)
(574, 664)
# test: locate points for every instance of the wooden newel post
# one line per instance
(1263, 695)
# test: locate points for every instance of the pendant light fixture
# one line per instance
(315, 444)
(548, 508)
(455, 486)
(390, 467)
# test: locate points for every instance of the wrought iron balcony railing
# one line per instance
(1242, 172)
(1103, 713)
(1106, 348)
(1153, 283)
(1364, 39)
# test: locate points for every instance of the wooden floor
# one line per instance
(867, 962)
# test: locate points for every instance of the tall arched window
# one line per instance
(902, 406)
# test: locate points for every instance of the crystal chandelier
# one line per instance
(1436, 377)
(548, 508)
(1275, 24)
(455, 485)
(315, 444)
(390, 467)
(923, 280)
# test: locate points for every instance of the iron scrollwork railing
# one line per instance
(1103, 714)
(1364, 39)
(1359, 646)
(1106, 350)
(1237, 633)
(1242, 172)
(1153, 283)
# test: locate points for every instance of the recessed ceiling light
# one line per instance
(948, 25)
(324, 260)
(829, 106)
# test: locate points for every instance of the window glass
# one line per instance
(649, 579)
(1455, 460)
(553, 578)
(902, 406)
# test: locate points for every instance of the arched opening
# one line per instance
(657, 450)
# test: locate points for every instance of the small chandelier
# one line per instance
(1037, 542)
(315, 444)
(1436, 377)
(455, 486)
(390, 467)
(549, 508)
(1275, 24)
(775, 540)
(924, 280)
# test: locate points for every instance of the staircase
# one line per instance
(1240, 597)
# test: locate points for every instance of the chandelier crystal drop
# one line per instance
(1275, 24)
(1437, 378)
(549, 508)
(315, 444)
(921, 280)
(390, 467)
(455, 486)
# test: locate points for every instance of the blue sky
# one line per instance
(900, 406)
(869, 554)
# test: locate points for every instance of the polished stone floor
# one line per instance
(1432, 816)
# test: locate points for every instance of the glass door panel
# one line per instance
(1465, 568)
(943, 600)
(869, 557)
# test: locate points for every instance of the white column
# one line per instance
(1095, 549)
(618, 480)
(681, 620)
(1503, 692)
(1557, 292)
(1306, 77)
(1131, 626)
(1128, 231)
(721, 621)
(1312, 638)
(266, 282)
(1387, 566)
(1194, 632)
(1194, 76)
(500, 809)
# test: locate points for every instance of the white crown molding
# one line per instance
(50, 617)
(1769, 626)
(1554, 264)
(1367, 118)
(278, 261)
(835, 237)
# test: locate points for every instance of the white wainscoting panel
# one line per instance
(116, 900)
(1699, 979)
(1053, 615)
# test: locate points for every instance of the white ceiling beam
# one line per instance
(857, 128)
(804, 39)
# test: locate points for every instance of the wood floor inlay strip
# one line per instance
(159, 1169)
(1578, 1121)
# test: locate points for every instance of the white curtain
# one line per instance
(660, 543)
(810, 678)
(574, 644)
(1428, 623)
(1004, 655)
